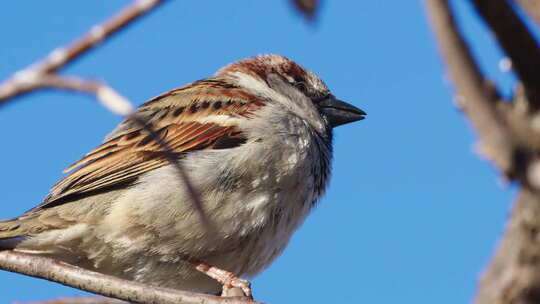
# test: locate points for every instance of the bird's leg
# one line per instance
(225, 278)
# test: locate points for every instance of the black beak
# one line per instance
(339, 112)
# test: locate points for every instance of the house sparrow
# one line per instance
(255, 141)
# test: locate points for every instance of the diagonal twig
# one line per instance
(106, 95)
(168, 153)
(512, 276)
(60, 57)
(517, 42)
(496, 143)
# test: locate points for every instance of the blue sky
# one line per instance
(412, 214)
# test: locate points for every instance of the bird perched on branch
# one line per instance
(255, 142)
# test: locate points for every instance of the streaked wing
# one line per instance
(201, 115)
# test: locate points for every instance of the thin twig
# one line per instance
(517, 41)
(60, 57)
(106, 95)
(168, 153)
(66, 274)
(496, 143)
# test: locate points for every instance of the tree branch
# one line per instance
(29, 79)
(496, 143)
(508, 133)
(63, 273)
(516, 40)
(513, 275)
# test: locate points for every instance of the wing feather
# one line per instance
(188, 119)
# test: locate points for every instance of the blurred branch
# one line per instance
(108, 97)
(30, 78)
(508, 133)
(513, 275)
(532, 8)
(496, 143)
(517, 42)
(308, 8)
(63, 273)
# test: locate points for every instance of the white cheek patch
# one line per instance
(293, 105)
(259, 86)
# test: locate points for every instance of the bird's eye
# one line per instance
(300, 85)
